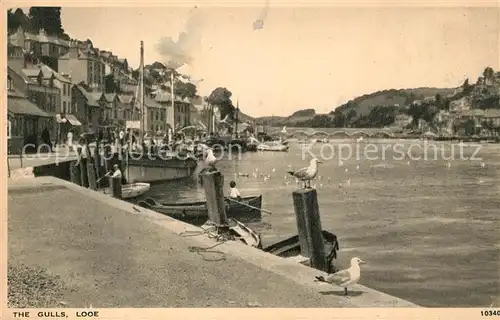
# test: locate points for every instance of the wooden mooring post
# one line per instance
(115, 187)
(213, 184)
(74, 173)
(91, 173)
(83, 168)
(312, 245)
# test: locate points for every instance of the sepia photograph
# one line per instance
(261, 154)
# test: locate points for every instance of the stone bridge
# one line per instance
(301, 133)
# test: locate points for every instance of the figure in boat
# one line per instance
(234, 193)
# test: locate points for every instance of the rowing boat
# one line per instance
(197, 212)
(237, 231)
(132, 190)
(290, 249)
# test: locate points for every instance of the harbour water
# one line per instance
(428, 229)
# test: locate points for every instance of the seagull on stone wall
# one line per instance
(345, 278)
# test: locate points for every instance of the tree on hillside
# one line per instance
(351, 116)
(466, 87)
(488, 73)
(185, 89)
(221, 97)
(157, 65)
(47, 18)
(16, 19)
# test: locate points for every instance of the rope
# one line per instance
(213, 233)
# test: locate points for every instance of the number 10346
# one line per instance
(488, 313)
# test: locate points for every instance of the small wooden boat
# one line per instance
(197, 212)
(290, 248)
(252, 147)
(272, 146)
(237, 231)
(132, 190)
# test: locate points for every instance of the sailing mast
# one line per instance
(237, 114)
(173, 101)
(141, 92)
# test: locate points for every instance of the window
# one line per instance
(157, 113)
(152, 128)
(9, 83)
(64, 107)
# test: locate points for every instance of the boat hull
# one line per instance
(158, 170)
(197, 212)
(237, 231)
(131, 191)
(290, 248)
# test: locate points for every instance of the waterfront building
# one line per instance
(46, 48)
(91, 106)
(24, 116)
(39, 88)
(83, 65)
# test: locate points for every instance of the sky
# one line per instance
(307, 57)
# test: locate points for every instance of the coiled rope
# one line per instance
(218, 232)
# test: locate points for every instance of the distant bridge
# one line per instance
(333, 133)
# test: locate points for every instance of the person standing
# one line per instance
(70, 139)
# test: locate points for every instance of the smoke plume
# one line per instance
(181, 52)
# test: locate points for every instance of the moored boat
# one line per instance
(290, 248)
(196, 212)
(132, 190)
(155, 168)
(237, 231)
(272, 146)
(160, 165)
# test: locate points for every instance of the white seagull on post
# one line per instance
(345, 278)
(210, 159)
(308, 173)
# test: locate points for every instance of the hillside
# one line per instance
(297, 116)
(360, 107)
(401, 97)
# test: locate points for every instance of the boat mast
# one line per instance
(173, 101)
(141, 88)
(237, 112)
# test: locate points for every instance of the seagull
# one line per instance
(308, 173)
(210, 160)
(449, 164)
(345, 278)
(357, 167)
(283, 130)
(483, 164)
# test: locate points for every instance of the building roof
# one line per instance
(150, 103)
(41, 37)
(25, 73)
(91, 97)
(20, 105)
(125, 98)
(49, 72)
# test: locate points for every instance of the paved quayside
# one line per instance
(110, 255)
